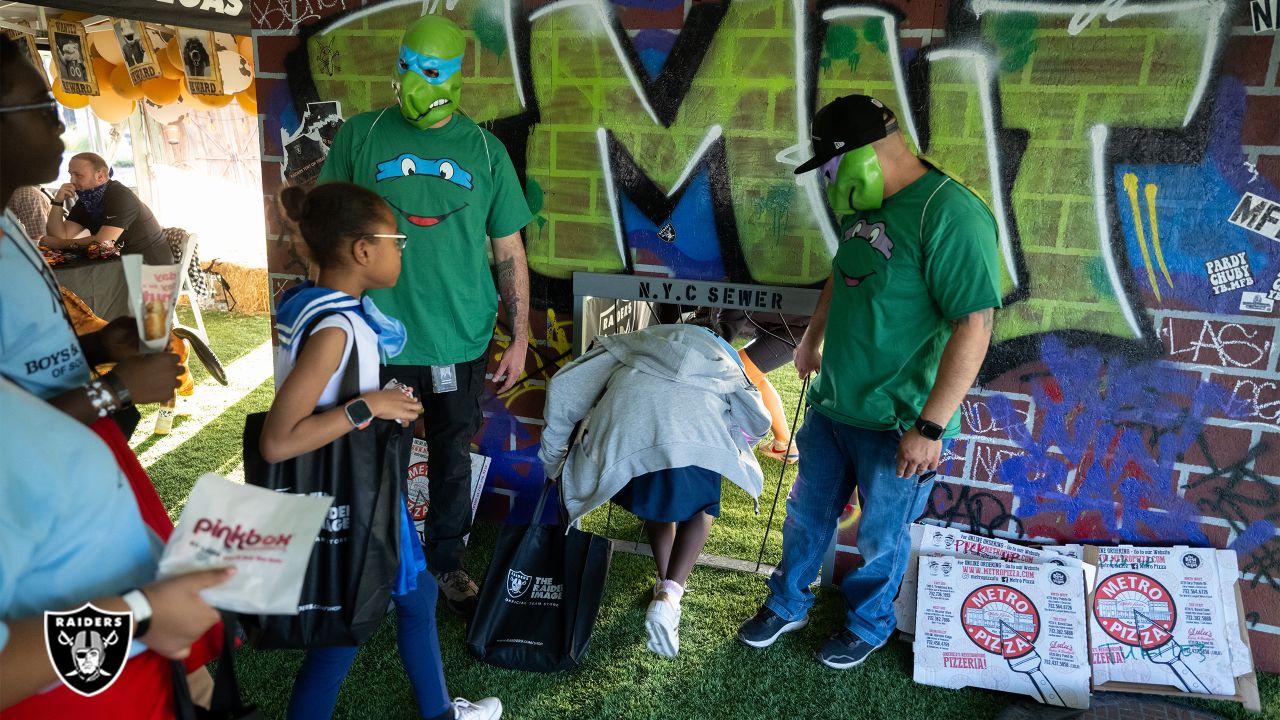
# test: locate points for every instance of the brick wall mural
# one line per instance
(1130, 150)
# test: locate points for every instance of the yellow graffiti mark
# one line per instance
(851, 518)
(1155, 231)
(1131, 187)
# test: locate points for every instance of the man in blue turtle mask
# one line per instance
(896, 340)
(452, 187)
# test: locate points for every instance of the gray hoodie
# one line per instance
(664, 397)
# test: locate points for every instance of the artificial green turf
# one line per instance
(714, 676)
(231, 335)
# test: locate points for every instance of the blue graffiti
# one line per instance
(691, 244)
(1191, 207)
(1112, 433)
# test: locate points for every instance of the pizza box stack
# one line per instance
(1014, 627)
(1053, 622)
(419, 493)
(934, 541)
(1169, 621)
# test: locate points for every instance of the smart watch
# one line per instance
(140, 607)
(358, 413)
(928, 430)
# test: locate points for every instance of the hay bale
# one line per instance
(248, 286)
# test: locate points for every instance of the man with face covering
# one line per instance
(896, 340)
(453, 189)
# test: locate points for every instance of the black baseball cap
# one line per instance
(846, 123)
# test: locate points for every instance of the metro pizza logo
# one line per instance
(1135, 610)
(1001, 620)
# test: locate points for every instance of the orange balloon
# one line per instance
(174, 52)
(112, 108)
(66, 99)
(214, 102)
(248, 100)
(244, 46)
(104, 41)
(102, 72)
(167, 68)
(161, 91)
(123, 85)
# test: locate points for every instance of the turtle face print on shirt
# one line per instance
(864, 255)
(443, 177)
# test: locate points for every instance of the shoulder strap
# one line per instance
(349, 386)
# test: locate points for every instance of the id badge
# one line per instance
(443, 379)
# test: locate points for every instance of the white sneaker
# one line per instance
(662, 621)
(489, 708)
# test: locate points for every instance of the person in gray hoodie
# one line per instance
(671, 412)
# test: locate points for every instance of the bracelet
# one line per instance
(118, 389)
(57, 203)
(104, 403)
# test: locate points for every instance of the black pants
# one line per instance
(451, 420)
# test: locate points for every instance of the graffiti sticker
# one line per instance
(1258, 302)
(1230, 272)
(1257, 214)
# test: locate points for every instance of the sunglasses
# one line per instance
(50, 107)
(400, 238)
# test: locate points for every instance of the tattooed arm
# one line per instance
(961, 359)
(512, 271)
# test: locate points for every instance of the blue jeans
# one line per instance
(835, 460)
(315, 692)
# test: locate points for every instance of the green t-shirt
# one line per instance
(930, 255)
(452, 189)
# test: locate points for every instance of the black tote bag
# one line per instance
(541, 595)
(356, 557)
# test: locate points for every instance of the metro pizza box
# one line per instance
(1014, 627)
(1170, 621)
(937, 541)
(420, 493)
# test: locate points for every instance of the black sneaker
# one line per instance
(460, 593)
(761, 630)
(845, 650)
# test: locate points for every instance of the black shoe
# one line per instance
(845, 650)
(761, 630)
(460, 593)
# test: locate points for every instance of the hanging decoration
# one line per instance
(70, 49)
(131, 63)
(28, 41)
(199, 60)
(134, 43)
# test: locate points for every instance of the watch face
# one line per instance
(359, 413)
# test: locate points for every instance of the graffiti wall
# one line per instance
(1130, 150)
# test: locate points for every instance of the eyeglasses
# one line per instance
(400, 238)
(49, 106)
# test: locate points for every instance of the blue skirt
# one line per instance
(672, 495)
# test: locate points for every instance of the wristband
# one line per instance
(119, 389)
(140, 608)
(57, 203)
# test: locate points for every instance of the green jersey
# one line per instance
(451, 188)
(928, 256)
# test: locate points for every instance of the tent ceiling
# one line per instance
(175, 14)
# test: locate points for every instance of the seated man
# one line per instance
(106, 213)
